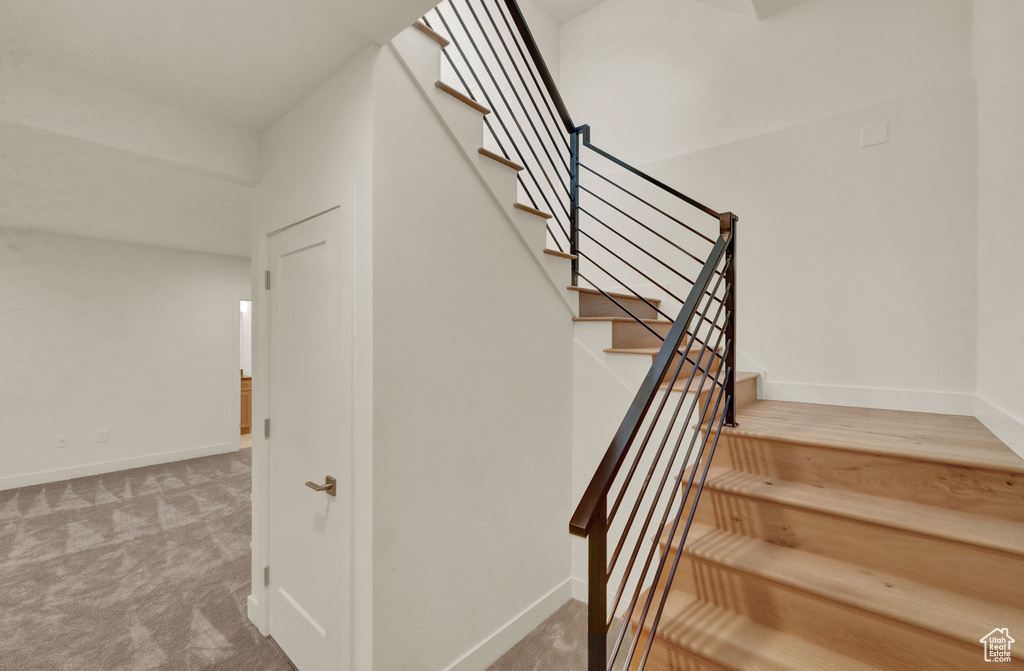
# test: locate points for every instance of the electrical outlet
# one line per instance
(104, 435)
(62, 441)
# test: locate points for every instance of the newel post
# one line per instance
(727, 227)
(574, 198)
(597, 589)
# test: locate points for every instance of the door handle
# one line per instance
(331, 486)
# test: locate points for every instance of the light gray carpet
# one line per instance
(132, 571)
(558, 644)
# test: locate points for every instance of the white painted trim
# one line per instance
(59, 474)
(252, 607)
(914, 400)
(747, 365)
(498, 643)
(1006, 427)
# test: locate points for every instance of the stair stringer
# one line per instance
(420, 56)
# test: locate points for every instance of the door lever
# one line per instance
(331, 486)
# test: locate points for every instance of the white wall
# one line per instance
(55, 99)
(139, 341)
(659, 78)
(546, 34)
(315, 158)
(999, 69)
(857, 266)
(472, 404)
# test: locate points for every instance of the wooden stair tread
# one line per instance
(963, 527)
(431, 34)
(736, 642)
(650, 351)
(624, 320)
(499, 158)
(741, 378)
(709, 383)
(532, 210)
(561, 255)
(584, 290)
(950, 439)
(462, 97)
(955, 616)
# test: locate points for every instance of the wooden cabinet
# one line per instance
(246, 423)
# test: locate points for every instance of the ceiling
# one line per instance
(243, 61)
(758, 9)
(60, 184)
(563, 11)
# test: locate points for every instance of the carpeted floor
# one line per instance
(558, 644)
(132, 571)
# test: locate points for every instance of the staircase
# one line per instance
(733, 533)
(848, 538)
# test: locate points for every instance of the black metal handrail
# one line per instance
(623, 228)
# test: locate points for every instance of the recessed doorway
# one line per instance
(245, 360)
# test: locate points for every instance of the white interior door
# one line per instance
(310, 439)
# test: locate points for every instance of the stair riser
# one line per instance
(956, 566)
(633, 334)
(746, 393)
(873, 638)
(596, 305)
(707, 361)
(973, 490)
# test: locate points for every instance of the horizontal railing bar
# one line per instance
(622, 307)
(645, 527)
(553, 117)
(675, 416)
(648, 204)
(583, 518)
(657, 415)
(522, 158)
(627, 239)
(652, 180)
(584, 255)
(661, 526)
(504, 100)
(526, 87)
(689, 522)
(635, 269)
(497, 139)
(645, 226)
(519, 99)
(538, 60)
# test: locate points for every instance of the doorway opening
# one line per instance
(245, 360)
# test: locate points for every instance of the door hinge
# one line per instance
(266, 576)
(266, 428)
(266, 279)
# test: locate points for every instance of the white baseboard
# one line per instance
(498, 643)
(947, 403)
(1005, 426)
(252, 611)
(85, 470)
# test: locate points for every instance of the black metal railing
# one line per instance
(633, 235)
(692, 379)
